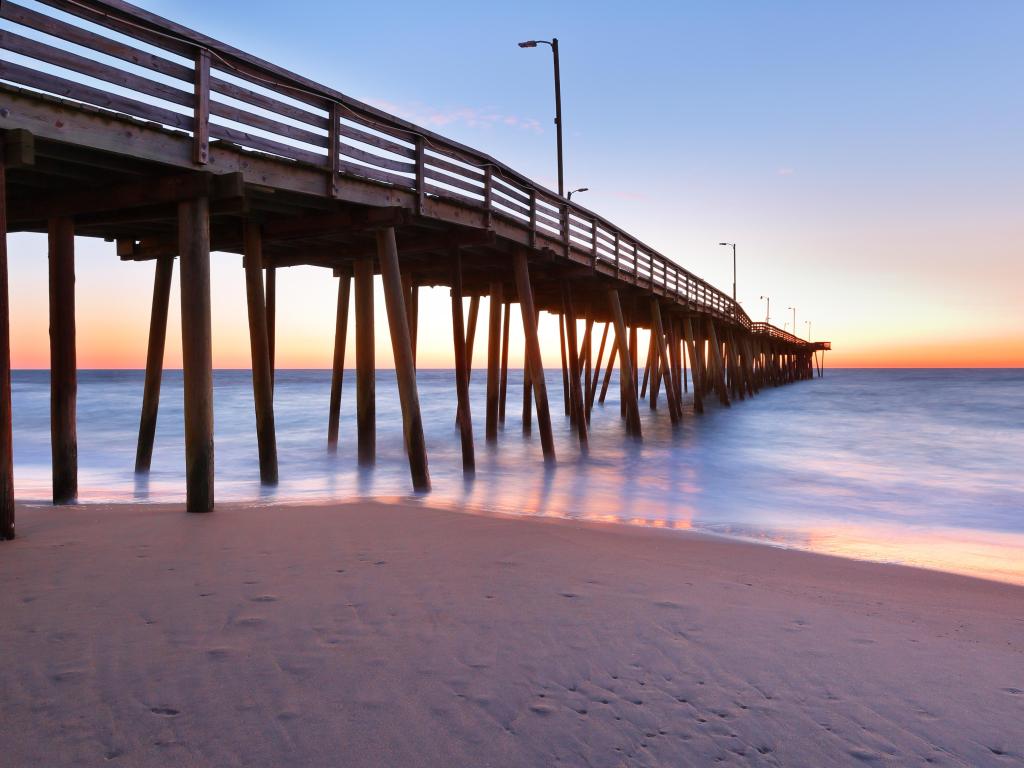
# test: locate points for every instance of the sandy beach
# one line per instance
(373, 634)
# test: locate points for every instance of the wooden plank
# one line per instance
(576, 393)
(197, 352)
(7, 510)
(63, 371)
(376, 160)
(252, 120)
(465, 419)
(405, 368)
(366, 407)
(275, 106)
(259, 345)
(154, 362)
(540, 394)
(364, 137)
(338, 362)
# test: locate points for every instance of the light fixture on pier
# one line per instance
(733, 268)
(553, 42)
(571, 192)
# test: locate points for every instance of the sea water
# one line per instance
(923, 467)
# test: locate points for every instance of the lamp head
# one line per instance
(528, 44)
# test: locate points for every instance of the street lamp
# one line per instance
(808, 323)
(794, 319)
(574, 191)
(553, 42)
(733, 268)
(768, 310)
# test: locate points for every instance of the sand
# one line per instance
(374, 634)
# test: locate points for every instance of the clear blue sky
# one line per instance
(868, 157)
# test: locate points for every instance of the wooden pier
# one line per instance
(174, 145)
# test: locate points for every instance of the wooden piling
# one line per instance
(465, 419)
(540, 393)
(338, 361)
(493, 361)
(262, 384)
(592, 392)
(395, 299)
(608, 371)
(197, 352)
(661, 350)
(272, 319)
(154, 362)
(625, 366)
(7, 526)
(366, 376)
(575, 393)
(63, 373)
(565, 368)
(698, 399)
(719, 374)
(503, 389)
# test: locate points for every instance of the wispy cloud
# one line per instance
(785, 171)
(473, 117)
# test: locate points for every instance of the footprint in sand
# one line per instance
(264, 599)
(1013, 691)
(164, 711)
(250, 621)
(541, 708)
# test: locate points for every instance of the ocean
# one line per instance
(921, 467)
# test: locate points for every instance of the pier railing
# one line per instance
(111, 55)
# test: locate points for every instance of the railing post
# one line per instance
(488, 195)
(616, 254)
(420, 174)
(201, 108)
(333, 156)
(565, 230)
(593, 244)
(533, 218)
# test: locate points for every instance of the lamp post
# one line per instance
(794, 319)
(553, 42)
(733, 268)
(808, 323)
(572, 192)
(768, 310)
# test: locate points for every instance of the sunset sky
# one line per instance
(868, 158)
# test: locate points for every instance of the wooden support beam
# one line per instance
(154, 362)
(412, 302)
(338, 362)
(698, 400)
(366, 399)
(625, 366)
(647, 368)
(7, 527)
(503, 389)
(405, 366)
(465, 419)
(575, 392)
(63, 371)
(259, 346)
(565, 369)
(608, 372)
(197, 352)
(493, 361)
(661, 350)
(474, 314)
(527, 386)
(592, 392)
(719, 374)
(540, 393)
(272, 319)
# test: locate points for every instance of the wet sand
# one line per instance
(373, 634)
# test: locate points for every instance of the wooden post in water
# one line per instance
(587, 344)
(338, 362)
(154, 362)
(262, 382)
(698, 399)
(575, 393)
(272, 319)
(6, 431)
(63, 372)
(719, 375)
(412, 303)
(540, 392)
(197, 351)
(628, 382)
(608, 371)
(592, 392)
(565, 368)
(465, 419)
(493, 361)
(660, 349)
(503, 389)
(395, 299)
(474, 313)
(366, 376)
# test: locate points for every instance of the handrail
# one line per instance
(189, 82)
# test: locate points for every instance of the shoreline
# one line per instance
(397, 634)
(635, 523)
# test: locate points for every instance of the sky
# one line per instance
(867, 158)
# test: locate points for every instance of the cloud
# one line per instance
(784, 171)
(473, 117)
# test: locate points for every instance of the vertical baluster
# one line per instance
(201, 110)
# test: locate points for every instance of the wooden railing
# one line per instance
(114, 56)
